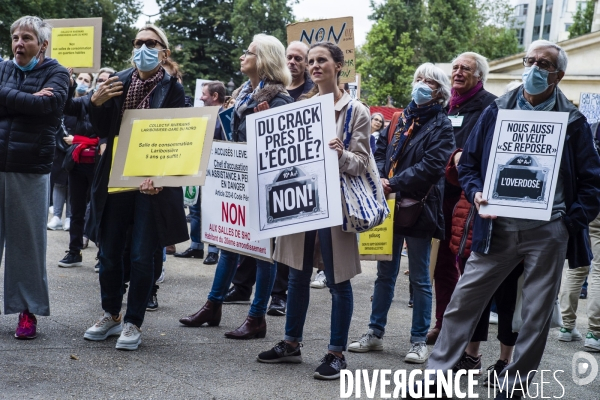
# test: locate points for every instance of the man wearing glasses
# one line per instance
(499, 244)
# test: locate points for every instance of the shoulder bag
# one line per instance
(408, 210)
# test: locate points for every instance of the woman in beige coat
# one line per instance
(339, 249)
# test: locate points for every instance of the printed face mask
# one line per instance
(421, 93)
(145, 59)
(535, 80)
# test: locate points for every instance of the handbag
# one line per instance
(60, 134)
(408, 210)
(68, 162)
(363, 201)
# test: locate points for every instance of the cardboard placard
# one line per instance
(170, 145)
(76, 43)
(589, 105)
(337, 30)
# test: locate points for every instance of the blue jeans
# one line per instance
(383, 293)
(196, 229)
(265, 278)
(299, 294)
(121, 210)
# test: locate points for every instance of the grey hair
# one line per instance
(270, 59)
(304, 45)
(108, 70)
(561, 62)
(380, 114)
(41, 28)
(430, 71)
(483, 69)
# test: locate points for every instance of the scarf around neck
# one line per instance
(459, 99)
(138, 94)
(547, 105)
(241, 102)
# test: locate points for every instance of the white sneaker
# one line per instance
(67, 224)
(592, 343)
(51, 210)
(493, 318)
(368, 342)
(417, 354)
(55, 223)
(107, 326)
(568, 335)
(320, 282)
(161, 278)
(131, 337)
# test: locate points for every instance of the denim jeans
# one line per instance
(59, 198)
(121, 210)
(299, 294)
(265, 277)
(196, 229)
(383, 293)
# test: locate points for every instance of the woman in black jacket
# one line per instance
(265, 65)
(155, 214)
(33, 91)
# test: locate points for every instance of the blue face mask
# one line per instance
(421, 93)
(82, 88)
(145, 59)
(535, 80)
(30, 65)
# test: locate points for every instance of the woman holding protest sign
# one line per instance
(264, 63)
(339, 249)
(154, 213)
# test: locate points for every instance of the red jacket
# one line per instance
(462, 216)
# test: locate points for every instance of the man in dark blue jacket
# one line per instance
(499, 244)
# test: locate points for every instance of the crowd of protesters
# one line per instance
(58, 132)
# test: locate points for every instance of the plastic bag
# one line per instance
(190, 195)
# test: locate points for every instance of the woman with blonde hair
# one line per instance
(264, 63)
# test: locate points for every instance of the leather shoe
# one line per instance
(432, 336)
(190, 253)
(234, 296)
(171, 249)
(210, 313)
(211, 259)
(277, 306)
(251, 328)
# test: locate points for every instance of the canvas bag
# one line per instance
(363, 202)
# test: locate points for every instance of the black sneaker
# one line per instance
(330, 367)
(494, 369)
(234, 296)
(152, 303)
(277, 307)
(468, 363)
(71, 260)
(281, 353)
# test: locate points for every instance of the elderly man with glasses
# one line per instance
(499, 244)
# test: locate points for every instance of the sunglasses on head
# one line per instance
(150, 43)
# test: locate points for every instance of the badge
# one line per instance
(456, 120)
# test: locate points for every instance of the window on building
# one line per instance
(520, 35)
(547, 29)
(567, 26)
(521, 10)
(536, 32)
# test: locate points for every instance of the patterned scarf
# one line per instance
(547, 105)
(241, 102)
(459, 99)
(138, 95)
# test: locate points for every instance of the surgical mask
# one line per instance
(30, 65)
(82, 88)
(535, 80)
(421, 93)
(145, 59)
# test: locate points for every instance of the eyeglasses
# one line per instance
(246, 52)
(541, 63)
(150, 43)
(100, 80)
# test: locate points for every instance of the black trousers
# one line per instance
(245, 278)
(80, 183)
(157, 257)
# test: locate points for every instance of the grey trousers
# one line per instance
(23, 219)
(543, 250)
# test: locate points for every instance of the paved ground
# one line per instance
(175, 362)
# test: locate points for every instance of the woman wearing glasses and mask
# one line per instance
(377, 126)
(264, 64)
(155, 214)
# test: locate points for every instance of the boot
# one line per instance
(209, 313)
(251, 328)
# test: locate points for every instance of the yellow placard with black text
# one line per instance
(112, 190)
(73, 46)
(377, 243)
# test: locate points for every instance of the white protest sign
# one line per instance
(524, 164)
(589, 105)
(225, 204)
(293, 174)
(199, 85)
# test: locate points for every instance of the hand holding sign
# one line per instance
(147, 187)
(479, 201)
(337, 145)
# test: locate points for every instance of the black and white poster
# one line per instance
(524, 164)
(589, 105)
(293, 174)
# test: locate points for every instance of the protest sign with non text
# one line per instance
(76, 43)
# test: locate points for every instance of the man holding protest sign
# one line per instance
(500, 243)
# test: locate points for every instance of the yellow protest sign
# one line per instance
(377, 243)
(73, 47)
(165, 147)
(116, 190)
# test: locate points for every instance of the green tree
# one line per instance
(582, 20)
(493, 38)
(260, 16)
(118, 18)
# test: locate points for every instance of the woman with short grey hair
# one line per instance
(33, 91)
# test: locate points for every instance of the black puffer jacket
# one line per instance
(28, 123)
(421, 166)
(77, 114)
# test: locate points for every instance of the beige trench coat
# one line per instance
(289, 249)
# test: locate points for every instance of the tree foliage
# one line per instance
(118, 18)
(582, 20)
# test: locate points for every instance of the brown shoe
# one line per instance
(251, 328)
(210, 313)
(432, 335)
(171, 249)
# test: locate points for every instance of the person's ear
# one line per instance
(559, 76)
(44, 47)
(167, 53)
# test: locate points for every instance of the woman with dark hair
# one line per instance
(264, 64)
(155, 214)
(339, 249)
